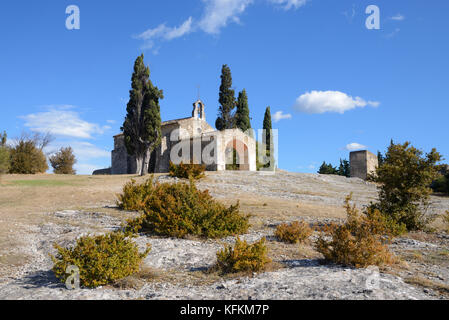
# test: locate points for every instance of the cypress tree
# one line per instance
(242, 120)
(142, 126)
(267, 127)
(3, 138)
(227, 101)
(4, 155)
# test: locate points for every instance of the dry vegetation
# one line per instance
(28, 200)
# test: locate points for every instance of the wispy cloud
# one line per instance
(350, 14)
(69, 129)
(392, 34)
(62, 121)
(355, 146)
(217, 15)
(289, 4)
(330, 101)
(398, 17)
(278, 116)
(165, 33)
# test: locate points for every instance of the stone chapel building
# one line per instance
(202, 144)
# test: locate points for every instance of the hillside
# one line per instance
(36, 211)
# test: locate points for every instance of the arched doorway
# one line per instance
(236, 156)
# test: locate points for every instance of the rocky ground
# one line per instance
(177, 269)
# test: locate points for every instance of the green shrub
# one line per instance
(243, 257)
(134, 195)
(63, 161)
(4, 160)
(360, 242)
(26, 158)
(187, 171)
(404, 181)
(295, 232)
(100, 259)
(180, 209)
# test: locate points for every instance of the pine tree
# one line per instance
(242, 120)
(327, 169)
(142, 126)
(344, 169)
(225, 118)
(380, 158)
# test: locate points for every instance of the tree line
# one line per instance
(26, 155)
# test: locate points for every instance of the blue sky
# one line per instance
(333, 84)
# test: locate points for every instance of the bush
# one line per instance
(295, 232)
(360, 242)
(441, 184)
(446, 221)
(180, 209)
(63, 161)
(243, 257)
(404, 179)
(187, 171)
(4, 160)
(26, 158)
(134, 195)
(101, 259)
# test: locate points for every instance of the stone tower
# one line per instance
(198, 110)
(362, 164)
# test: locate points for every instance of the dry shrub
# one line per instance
(180, 209)
(360, 242)
(243, 257)
(187, 171)
(63, 161)
(134, 195)
(100, 259)
(446, 221)
(296, 232)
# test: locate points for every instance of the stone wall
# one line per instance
(363, 163)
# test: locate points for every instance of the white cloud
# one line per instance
(69, 130)
(62, 121)
(289, 4)
(330, 101)
(165, 33)
(355, 146)
(398, 17)
(218, 13)
(87, 151)
(86, 168)
(278, 116)
(83, 151)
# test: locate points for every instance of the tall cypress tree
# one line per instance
(242, 120)
(267, 127)
(142, 126)
(227, 101)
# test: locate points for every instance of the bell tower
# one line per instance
(198, 110)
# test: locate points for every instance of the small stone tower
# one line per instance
(198, 110)
(363, 163)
